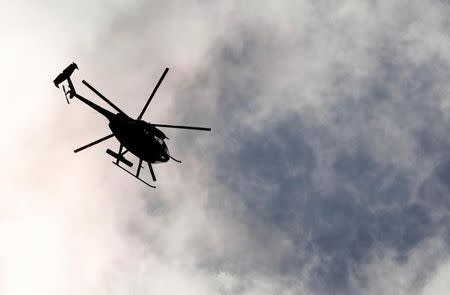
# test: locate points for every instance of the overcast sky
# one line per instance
(327, 171)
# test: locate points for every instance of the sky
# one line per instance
(327, 170)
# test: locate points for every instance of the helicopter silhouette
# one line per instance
(140, 138)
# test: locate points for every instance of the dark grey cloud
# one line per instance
(376, 202)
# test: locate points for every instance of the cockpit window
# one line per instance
(159, 140)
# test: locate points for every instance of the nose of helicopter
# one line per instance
(164, 156)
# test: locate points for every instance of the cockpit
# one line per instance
(150, 129)
(163, 155)
(159, 140)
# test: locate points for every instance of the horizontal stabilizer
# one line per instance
(65, 75)
(119, 157)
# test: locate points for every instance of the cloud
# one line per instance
(326, 172)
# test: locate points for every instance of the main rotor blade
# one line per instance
(183, 127)
(102, 96)
(93, 143)
(151, 95)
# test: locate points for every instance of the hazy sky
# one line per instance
(327, 171)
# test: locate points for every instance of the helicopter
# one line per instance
(136, 136)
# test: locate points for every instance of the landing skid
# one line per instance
(132, 174)
(120, 158)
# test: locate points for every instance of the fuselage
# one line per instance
(142, 139)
